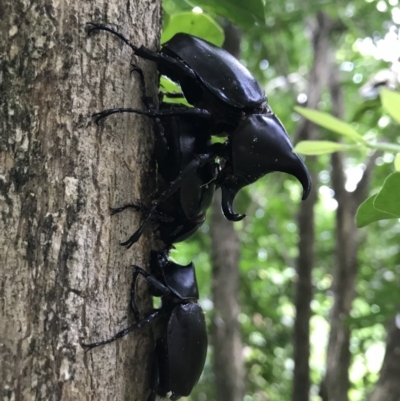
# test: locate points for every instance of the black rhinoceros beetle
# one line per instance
(226, 94)
(186, 176)
(181, 346)
(186, 180)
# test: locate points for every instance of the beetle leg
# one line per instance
(147, 101)
(154, 113)
(147, 53)
(124, 332)
(154, 378)
(199, 161)
(161, 146)
(160, 287)
(101, 27)
(161, 217)
(173, 95)
(134, 308)
(164, 290)
(115, 210)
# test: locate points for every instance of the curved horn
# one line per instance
(228, 196)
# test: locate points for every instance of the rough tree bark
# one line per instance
(305, 219)
(345, 264)
(226, 337)
(64, 278)
(388, 386)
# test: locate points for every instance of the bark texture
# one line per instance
(388, 386)
(318, 79)
(64, 278)
(226, 336)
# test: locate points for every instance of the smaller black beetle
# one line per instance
(181, 345)
(186, 185)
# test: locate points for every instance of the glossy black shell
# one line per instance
(182, 352)
(181, 280)
(261, 145)
(185, 137)
(220, 72)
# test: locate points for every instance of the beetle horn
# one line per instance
(228, 196)
(296, 167)
(261, 146)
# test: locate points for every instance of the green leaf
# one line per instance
(367, 213)
(391, 103)
(331, 123)
(397, 162)
(169, 86)
(388, 198)
(196, 24)
(244, 13)
(318, 147)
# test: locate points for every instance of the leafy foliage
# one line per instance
(276, 48)
(243, 13)
(391, 103)
(318, 147)
(385, 204)
(196, 24)
(332, 123)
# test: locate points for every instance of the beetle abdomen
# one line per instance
(186, 344)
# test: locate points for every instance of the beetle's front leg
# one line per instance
(158, 216)
(160, 288)
(155, 113)
(145, 53)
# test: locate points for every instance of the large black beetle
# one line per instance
(181, 343)
(224, 93)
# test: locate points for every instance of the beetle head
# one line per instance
(259, 146)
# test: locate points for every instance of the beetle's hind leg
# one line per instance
(124, 332)
(158, 216)
(154, 377)
(154, 113)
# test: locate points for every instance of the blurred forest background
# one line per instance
(301, 304)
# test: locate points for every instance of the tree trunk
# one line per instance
(388, 386)
(345, 264)
(64, 277)
(305, 219)
(226, 336)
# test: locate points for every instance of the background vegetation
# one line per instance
(277, 47)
